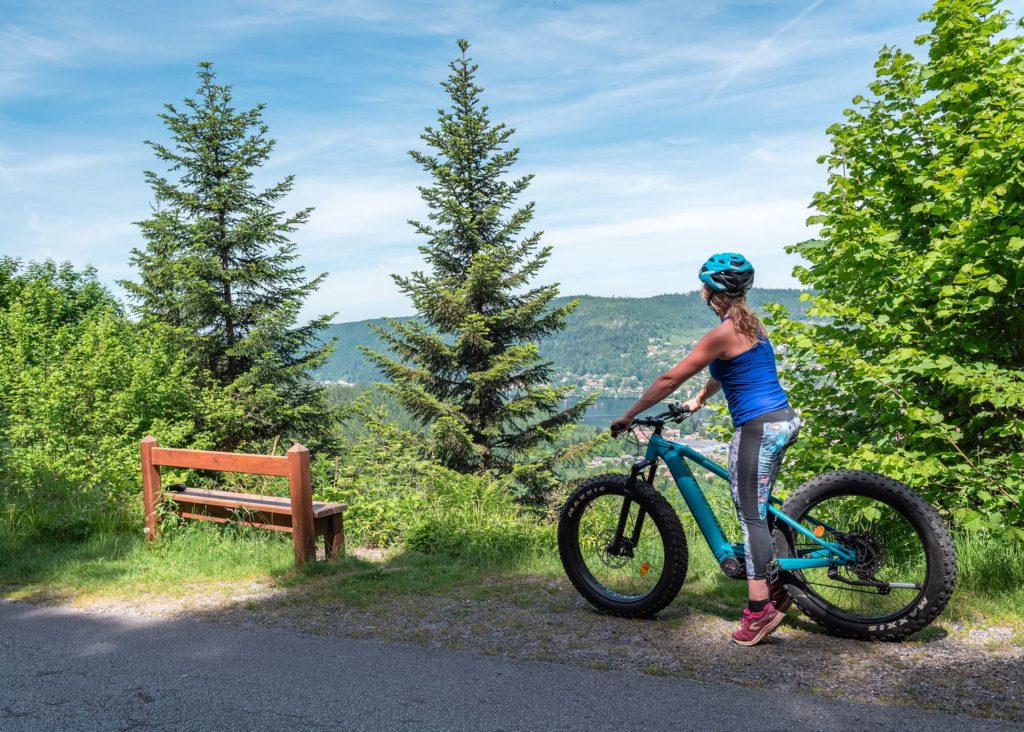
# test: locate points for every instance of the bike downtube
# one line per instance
(699, 507)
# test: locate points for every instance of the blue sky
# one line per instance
(659, 132)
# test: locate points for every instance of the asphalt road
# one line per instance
(63, 669)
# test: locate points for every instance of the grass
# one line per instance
(203, 558)
(200, 557)
(126, 565)
(522, 606)
(990, 585)
(656, 669)
(363, 583)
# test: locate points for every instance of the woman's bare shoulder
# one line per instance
(721, 336)
(732, 342)
(725, 329)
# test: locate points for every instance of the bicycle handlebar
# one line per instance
(677, 412)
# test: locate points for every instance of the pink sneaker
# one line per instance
(755, 626)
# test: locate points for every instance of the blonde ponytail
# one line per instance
(735, 307)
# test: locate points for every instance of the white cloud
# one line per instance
(18, 45)
(63, 162)
(405, 18)
(359, 218)
(763, 48)
(33, 222)
(358, 293)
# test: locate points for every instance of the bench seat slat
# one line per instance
(251, 502)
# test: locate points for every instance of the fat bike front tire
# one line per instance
(900, 541)
(635, 580)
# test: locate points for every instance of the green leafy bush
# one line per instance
(469, 515)
(80, 384)
(914, 366)
(398, 496)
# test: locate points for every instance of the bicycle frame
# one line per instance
(675, 457)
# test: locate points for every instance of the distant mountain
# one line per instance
(611, 343)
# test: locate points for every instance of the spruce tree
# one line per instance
(220, 267)
(469, 366)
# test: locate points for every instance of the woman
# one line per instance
(741, 362)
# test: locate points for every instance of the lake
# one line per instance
(605, 409)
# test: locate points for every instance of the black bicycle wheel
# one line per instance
(638, 577)
(905, 564)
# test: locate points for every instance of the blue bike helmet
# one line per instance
(728, 272)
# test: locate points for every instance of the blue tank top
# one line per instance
(750, 382)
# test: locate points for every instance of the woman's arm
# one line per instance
(710, 347)
(710, 389)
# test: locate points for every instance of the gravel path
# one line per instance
(951, 669)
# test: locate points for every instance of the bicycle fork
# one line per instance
(620, 546)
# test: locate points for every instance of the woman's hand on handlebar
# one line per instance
(692, 405)
(621, 424)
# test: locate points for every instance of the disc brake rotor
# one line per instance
(869, 551)
(614, 561)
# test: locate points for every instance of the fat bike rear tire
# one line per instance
(899, 539)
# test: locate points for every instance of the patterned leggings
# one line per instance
(754, 459)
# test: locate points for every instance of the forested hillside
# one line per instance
(607, 344)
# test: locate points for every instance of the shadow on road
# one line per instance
(506, 611)
(66, 668)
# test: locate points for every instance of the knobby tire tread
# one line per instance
(922, 515)
(664, 516)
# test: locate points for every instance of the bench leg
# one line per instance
(334, 538)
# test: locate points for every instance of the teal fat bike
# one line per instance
(862, 554)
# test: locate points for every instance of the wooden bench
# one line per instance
(298, 514)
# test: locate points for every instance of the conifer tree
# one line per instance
(469, 366)
(220, 267)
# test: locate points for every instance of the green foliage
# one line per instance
(351, 402)
(219, 267)
(79, 386)
(915, 369)
(383, 476)
(471, 367)
(397, 495)
(473, 516)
